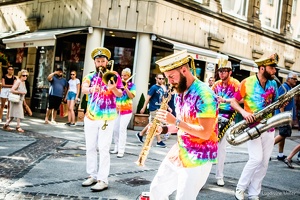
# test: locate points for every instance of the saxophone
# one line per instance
(152, 130)
(242, 131)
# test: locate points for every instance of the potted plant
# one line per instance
(140, 120)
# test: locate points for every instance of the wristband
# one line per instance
(177, 122)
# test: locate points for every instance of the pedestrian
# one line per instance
(124, 109)
(16, 108)
(57, 91)
(71, 97)
(7, 82)
(188, 163)
(100, 118)
(211, 81)
(288, 160)
(225, 89)
(154, 98)
(257, 91)
(286, 131)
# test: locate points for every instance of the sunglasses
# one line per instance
(294, 79)
(72, 74)
(161, 78)
(24, 75)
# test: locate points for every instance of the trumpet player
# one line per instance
(99, 119)
(225, 89)
(257, 92)
(188, 163)
(124, 109)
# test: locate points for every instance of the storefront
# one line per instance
(45, 50)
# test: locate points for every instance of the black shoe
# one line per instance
(140, 138)
(288, 163)
(161, 144)
(68, 124)
(281, 158)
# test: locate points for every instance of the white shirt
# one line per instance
(73, 85)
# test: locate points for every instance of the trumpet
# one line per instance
(125, 82)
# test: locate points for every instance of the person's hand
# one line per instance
(142, 110)
(94, 89)
(111, 85)
(220, 99)
(249, 117)
(165, 117)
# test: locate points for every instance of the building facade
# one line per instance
(41, 34)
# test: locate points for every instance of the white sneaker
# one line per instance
(220, 182)
(114, 151)
(239, 194)
(88, 182)
(120, 155)
(100, 186)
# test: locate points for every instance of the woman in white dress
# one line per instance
(16, 109)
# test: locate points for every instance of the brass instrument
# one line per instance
(109, 75)
(125, 82)
(241, 132)
(151, 131)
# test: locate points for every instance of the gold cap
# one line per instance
(99, 52)
(224, 64)
(271, 61)
(173, 61)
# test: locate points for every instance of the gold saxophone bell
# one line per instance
(125, 82)
(109, 75)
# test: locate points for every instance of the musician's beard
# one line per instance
(267, 75)
(181, 86)
(101, 69)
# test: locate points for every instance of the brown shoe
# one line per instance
(7, 128)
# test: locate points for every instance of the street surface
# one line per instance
(48, 162)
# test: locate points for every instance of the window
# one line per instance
(236, 8)
(294, 7)
(271, 15)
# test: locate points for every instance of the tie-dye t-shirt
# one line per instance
(255, 96)
(124, 103)
(198, 102)
(101, 105)
(226, 92)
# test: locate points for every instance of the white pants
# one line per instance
(120, 132)
(187, 181)
(96, 137)
(259, 151)
(221, 158)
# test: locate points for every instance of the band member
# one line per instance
(188, 164)
(100, 118)
(124, 108)
(257, 91)
(225, 89)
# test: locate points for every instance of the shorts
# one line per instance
(285, 131)
(71, 96)
(152, 115)
(4, 92)
(54, 102)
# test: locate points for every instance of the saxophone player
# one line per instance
(188, 163)
(257, 92)
(99, 119)
(225, 89)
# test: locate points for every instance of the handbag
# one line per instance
(15, 98)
